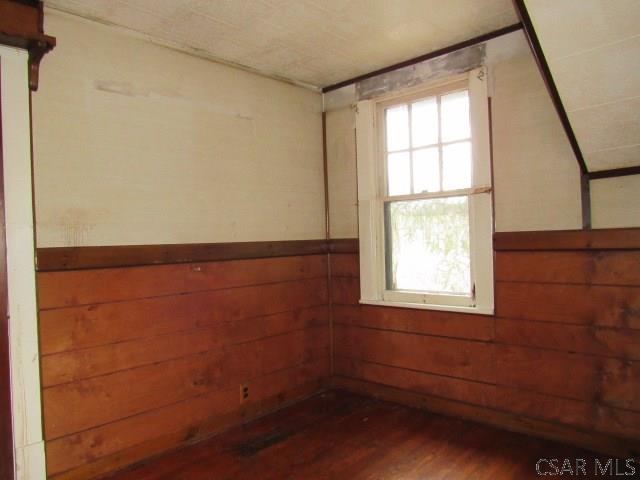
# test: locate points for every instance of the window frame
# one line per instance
(372, 198)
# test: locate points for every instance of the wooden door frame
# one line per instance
(22, 27)
(6, 418)
(17, 279)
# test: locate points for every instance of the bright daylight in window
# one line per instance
(433, 201)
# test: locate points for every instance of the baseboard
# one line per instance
(146, 451)
(599, 443)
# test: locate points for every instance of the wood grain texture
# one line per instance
(92, 325)
(419, 381)
(443, 324)
(77, 364)
(604, 444)
(148, 358)
(560, 352)
(529, 404)
(602, 239)
(344, 265)
(151, 357)
(20, 19)
(117, 444)
(345, 291)
(560, 374)
(65, 289)
(344, 245)
(81, 258)
(77, 258)
(99, 400)
(616, 307)
(439, 355)
(338, 435)
(582, 267)
(21, 26)
(606, 341)
(526, 403)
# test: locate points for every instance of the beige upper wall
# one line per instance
(342, 180)
(536, 176)
(138, 144)
(615, 202)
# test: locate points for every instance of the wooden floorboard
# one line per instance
(340, 435)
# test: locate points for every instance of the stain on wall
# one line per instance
(536, 180)
(140, 144)
(453, 63)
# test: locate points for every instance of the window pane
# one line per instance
(427, 244)
(398, 173)
(455, 116)
(397, 126)
(424, 122)
(456, 166)
(426, 170)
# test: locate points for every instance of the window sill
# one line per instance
(423, 306)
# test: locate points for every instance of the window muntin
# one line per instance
(427, 145)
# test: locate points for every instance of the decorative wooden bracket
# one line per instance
(21, 25)
(36, 51)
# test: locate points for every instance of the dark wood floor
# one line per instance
(338, 435)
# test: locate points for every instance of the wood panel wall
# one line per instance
(138, 360)
(560, 358)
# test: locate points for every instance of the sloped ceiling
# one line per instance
(593, 51)
(317, 43)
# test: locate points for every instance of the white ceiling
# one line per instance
(318, 43)
(593, 51)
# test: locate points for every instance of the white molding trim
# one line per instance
(23, 317)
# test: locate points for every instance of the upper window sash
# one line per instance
(478, 180)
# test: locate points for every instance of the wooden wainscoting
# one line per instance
(560, 359)
(77, 258)
(139, 360)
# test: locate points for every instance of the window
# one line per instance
(424, 192)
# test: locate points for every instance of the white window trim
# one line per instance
(370, 204)
(23, 318)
